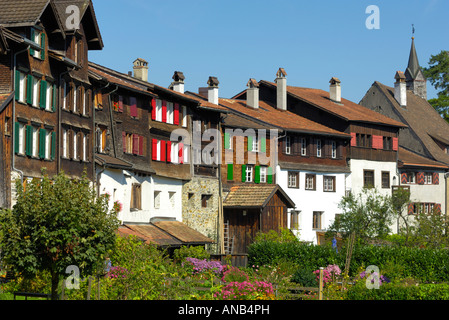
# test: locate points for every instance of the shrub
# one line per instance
(234, 274)
(304, 277)
(200, 266)
(197, 252)
(259, 290)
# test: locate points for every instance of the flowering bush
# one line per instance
(234, 274)
(259, 290)
(375, 275)
(200, 266)
(117, 273)
(329, 273)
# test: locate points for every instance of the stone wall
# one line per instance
(194, 214)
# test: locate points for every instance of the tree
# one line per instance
(367, 214)
(56, 223)
(438, 75)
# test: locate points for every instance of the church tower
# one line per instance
(414, 77)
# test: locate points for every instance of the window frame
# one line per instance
(290, 176)
(307, 179)
(365, 172)
(332, 184)
(384, 185)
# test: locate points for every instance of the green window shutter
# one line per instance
(43, 98)
(17, 85)
(263, 145)
(227, 140)
(53, 145)
(42, 136)
(53, 102)
(250, 143)
(230, 172)
(244, 173)
(30, 89)
(270, 175)
(32, 39)
(257, 174)
(43, 46)
(29, 140)
(16, 137)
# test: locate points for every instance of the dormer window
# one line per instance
(38, 37)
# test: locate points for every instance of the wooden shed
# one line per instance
(250, 208)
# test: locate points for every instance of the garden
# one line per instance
(278, 269)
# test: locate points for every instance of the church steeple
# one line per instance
(414, 76)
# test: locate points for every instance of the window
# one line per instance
(133, 108)
(303, 146)
(136, 196)
(19, 138)
(35, 91)
(249, 173)
(411, 177)
(170, 113)
(228, 140)
(65, 95)
(368, 178)
(171, 198)
(293, 179)
(317, 217)
(387, 143)
(263, 174)
(385, 179)
(21, 87)
(287, 145)
(191, 196)
(328, 184)
(50, 97)
(64, 143)
(157, 199)
(35, 142)
(85, 148)
(310, 181)
(294, 220)
(184, 116)
(255, 144)
(205, 200)
(428, 178)
(101, 134)
(318, 148)
(132, 143)
(333, 149)
(38, 38)
(363, 140)
(158, 110)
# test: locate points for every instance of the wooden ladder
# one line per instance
(228, 243)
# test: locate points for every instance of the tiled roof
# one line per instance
(109, 161)
(347, 110)
(21, 12)
(285, 120)
(182, 232)
(411, 159)
(254, 196)
(423, 119)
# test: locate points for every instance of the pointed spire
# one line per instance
(413, 63)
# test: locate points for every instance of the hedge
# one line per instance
(426, 291)
(425, 265)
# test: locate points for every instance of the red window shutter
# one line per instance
(435, 178)
(411, 208)
(135, 144)
(153, 109)
(404, 178)
(176, 114)
(181, 153)
(378, 142)
(133, 107)
(164, 111)
(140, 146)
(420, 178)
(154, 149)
(438, 208)
(395, 144)
(168, 151)
(353, 139)
(120, 103)
(124, 141)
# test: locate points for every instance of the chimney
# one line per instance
(281, 89)
(335, 90)
(252, 94)
(140, 69)
(400, 89)
(178, 82)
(212, 90)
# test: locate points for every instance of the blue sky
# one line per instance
(237, 40)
